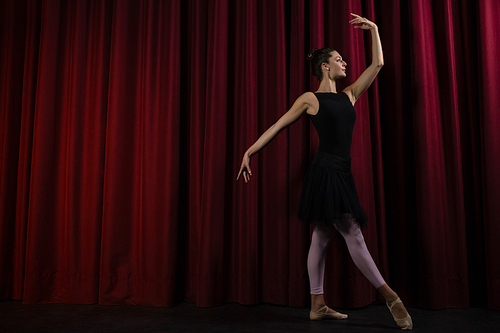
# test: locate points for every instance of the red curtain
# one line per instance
(123, 124)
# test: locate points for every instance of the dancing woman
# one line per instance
(328, 196)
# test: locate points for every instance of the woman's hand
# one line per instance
(362, 23)
(245, 168)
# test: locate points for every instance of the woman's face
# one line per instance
(336, 66)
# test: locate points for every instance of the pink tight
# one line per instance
(357, 248)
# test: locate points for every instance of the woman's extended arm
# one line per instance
(355, 90)
(301, 105)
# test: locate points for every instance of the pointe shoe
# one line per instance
(323, 314)
(403, 323)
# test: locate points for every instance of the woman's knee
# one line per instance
(321, 236)
(352, 234)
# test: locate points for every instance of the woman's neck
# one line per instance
(327, 85)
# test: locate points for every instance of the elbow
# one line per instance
(377, 65)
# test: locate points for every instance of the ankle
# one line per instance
(317, 301)
(388, 294)
(391, 298)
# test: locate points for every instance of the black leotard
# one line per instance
(334, 123)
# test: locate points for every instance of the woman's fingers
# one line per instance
(245, 171)
(356, 18)
(359, 19)
(363, 22)
(246, 176)
(241, 172)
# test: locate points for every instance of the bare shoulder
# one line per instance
(310, 101)
(307, 97)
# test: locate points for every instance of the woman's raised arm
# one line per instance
(301, 105)
(355, 90)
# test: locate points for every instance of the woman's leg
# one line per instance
(364, 261)
(355, 241)
(320, 240)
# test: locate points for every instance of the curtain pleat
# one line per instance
(123, 123)
(490, 145)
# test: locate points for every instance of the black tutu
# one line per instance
(328, 193)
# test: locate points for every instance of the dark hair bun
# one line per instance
(311, 54)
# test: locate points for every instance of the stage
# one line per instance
(232, 317)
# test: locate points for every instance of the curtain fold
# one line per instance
(65, 193)
(141, 184)
(123, 123)
(490, 152)
(437, 168)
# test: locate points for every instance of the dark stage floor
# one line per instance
(186, 317)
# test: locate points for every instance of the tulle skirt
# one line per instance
(329, 193)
